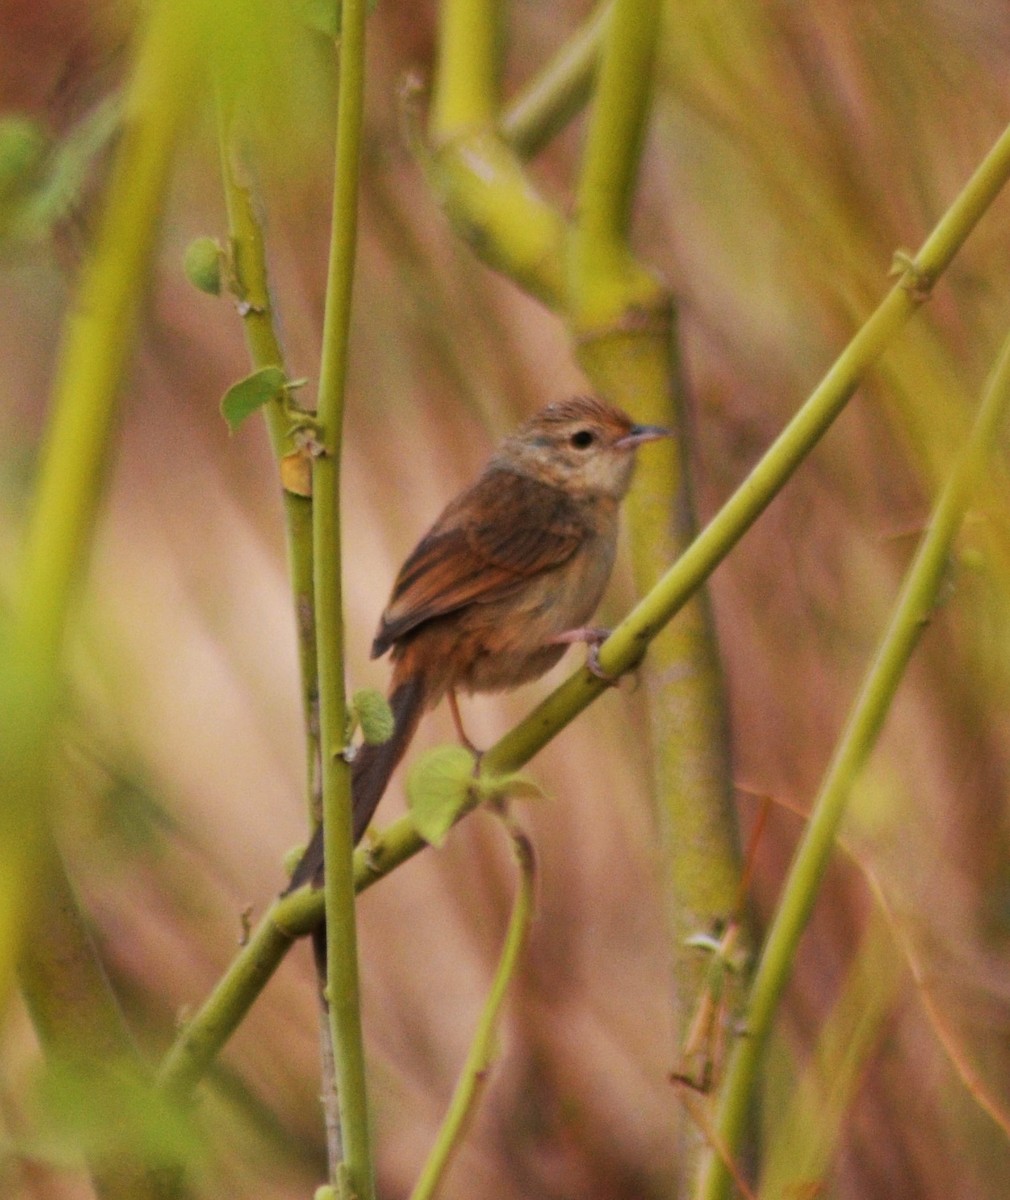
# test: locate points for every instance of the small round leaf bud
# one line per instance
(202, 264)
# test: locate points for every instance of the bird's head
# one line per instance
(582, 444)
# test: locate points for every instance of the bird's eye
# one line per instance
(582, 439)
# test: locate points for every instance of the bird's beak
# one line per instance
(642, 433)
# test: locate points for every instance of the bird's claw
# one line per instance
(594, 668)
(593, 636)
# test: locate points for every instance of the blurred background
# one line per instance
(793, 150)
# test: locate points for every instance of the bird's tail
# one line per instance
(369, 775)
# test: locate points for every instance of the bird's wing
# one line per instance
(505, 530)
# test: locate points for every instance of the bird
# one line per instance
(506, 578)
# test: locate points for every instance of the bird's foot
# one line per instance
(457, 720)
(593, 636)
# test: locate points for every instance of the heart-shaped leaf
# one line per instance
(438, 790)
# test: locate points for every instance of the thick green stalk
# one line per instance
(623, 321)
(483, 1048)
(478, 179)
(65, 986)
(605, 281)
(494, 206)
(341, 934)
(469, 42)
(97, 340)
(910, 616)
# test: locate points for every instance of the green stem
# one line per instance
(495, 208)
(623, 321)
(247, 254)
(97, 340)
(65, 986)
(482, 1049)
(466, 87)
(553, 97)
(200, 1040)
(606, 280)
(249, 266)
(618, 121)
(341, 934)
(289, 918)
(478, 179)
(910, 616)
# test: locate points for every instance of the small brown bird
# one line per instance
(503, 581)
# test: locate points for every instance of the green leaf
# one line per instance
(251, 393)
(442, 785)
(438, 790)
(371, 708)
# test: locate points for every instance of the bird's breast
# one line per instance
(511, 641)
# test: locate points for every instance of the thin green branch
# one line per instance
(200, 1040)
(558, 92)
(341, 934)
(910, 617)
(251, 284)
(299, 913)
(483, 1047)
(247, 262)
